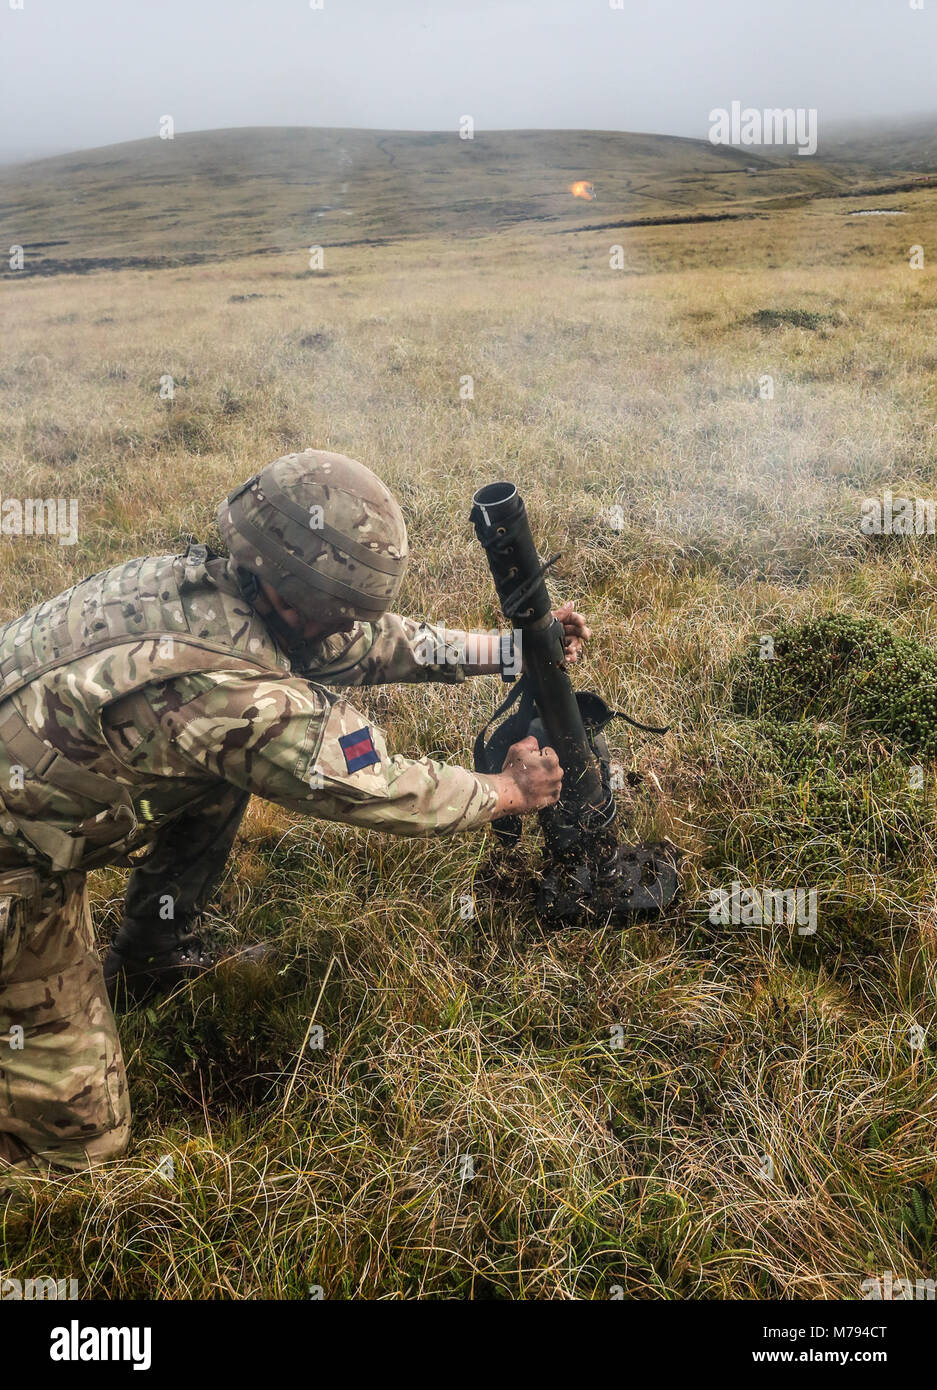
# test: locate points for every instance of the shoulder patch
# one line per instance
(358, 749)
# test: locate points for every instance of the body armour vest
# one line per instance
(150, 620)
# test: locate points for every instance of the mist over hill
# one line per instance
(910, 144)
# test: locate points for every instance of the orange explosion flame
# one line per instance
(581, 189)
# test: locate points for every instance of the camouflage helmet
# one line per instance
(323, 531)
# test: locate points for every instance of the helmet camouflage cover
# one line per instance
(323, 531)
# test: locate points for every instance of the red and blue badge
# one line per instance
(358, 750)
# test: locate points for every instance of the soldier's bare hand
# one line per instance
(530, 779)
(576, 630)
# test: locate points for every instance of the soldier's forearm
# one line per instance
(482, 653)
(423, 799)
(405, 649)
(511, 798)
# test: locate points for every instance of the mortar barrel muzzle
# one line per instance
(497, 502)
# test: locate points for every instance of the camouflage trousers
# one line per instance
(63, 1092)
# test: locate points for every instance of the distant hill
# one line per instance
(213, 194)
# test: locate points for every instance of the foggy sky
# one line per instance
(80, 73)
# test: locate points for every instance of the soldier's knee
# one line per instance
(75, 1156)
(79, 1155)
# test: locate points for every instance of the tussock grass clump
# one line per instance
(839, 666)
(793, 318)
(822, 778)
(819, 794)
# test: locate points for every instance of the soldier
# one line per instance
(143, 707)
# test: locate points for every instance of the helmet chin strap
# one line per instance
(290, 640)
(248, 584)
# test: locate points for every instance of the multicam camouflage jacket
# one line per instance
(127, 698)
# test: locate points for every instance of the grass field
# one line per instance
(679, 1110)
